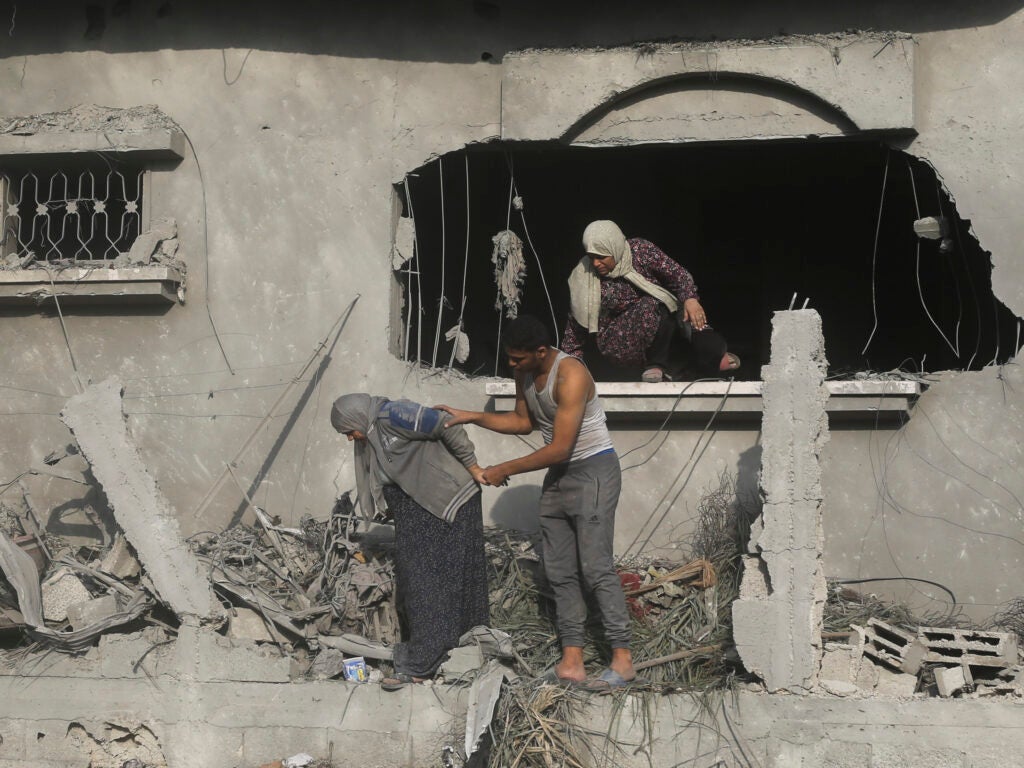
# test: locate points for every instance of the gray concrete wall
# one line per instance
(203, 703)
(301, 124)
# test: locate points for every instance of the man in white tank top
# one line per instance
(581, 490)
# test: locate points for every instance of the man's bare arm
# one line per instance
(572, 391)
(517, 422)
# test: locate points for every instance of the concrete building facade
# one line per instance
(286, 150)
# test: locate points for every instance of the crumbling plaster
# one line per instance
(299, 149)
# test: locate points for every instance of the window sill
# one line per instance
(848, 400)
(78, 285)
(152, 144)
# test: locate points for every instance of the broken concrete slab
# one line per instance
(61, 590)
(462, 661)
(82, 615)
(143, 512)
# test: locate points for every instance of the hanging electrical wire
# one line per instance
(419, 281)
(917, 266)
(458, 334)
(441, 299)
(874, 254)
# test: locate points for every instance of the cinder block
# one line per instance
(969, 647)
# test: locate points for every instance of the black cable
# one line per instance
(936, 584)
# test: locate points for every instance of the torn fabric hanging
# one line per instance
(509, 271)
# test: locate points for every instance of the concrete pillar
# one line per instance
(777, 617)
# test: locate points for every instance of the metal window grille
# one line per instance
(70, 214)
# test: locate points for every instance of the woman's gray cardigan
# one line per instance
(424, 458)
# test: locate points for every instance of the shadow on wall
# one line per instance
(748, 473)
(449, 30)
(516, 508)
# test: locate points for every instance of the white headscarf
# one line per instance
(606, 239)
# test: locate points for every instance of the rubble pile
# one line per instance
(887, 659)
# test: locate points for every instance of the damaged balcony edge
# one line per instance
(155, 144)
(85, 285)
(847, 399)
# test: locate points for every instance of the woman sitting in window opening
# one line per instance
(425, 476)
(642, 306)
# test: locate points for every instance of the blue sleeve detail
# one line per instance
(412, 416)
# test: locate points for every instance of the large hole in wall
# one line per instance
(755, 223)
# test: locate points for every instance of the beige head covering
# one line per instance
(606, 239)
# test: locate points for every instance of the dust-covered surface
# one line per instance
(90, 118)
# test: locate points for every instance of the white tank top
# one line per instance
(593, 437)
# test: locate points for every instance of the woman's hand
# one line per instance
(694, 313)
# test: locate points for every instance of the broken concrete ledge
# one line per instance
(202, 718)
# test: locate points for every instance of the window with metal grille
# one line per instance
(72, 211)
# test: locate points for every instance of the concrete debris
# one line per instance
(494, 643)
(144, 514)
(300, 760)
(932, 227)
(968, 647)
(115, 745)
(949, 680)
(462, 661)
(895, 684)
(404, 247)
(119, 561)
(483, 696)
(161, 239)
(246, 624)
(329, 663)
(895, 648)
(62, 589)
(82, 615)
(89, 118)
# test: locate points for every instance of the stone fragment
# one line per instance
(82, 615)
(119, 561)
(246, 624)
(60, 590)
(839, 687)
(329, 663)
(462, 660)
(837, 663)
(949, 680)
(897, 684)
